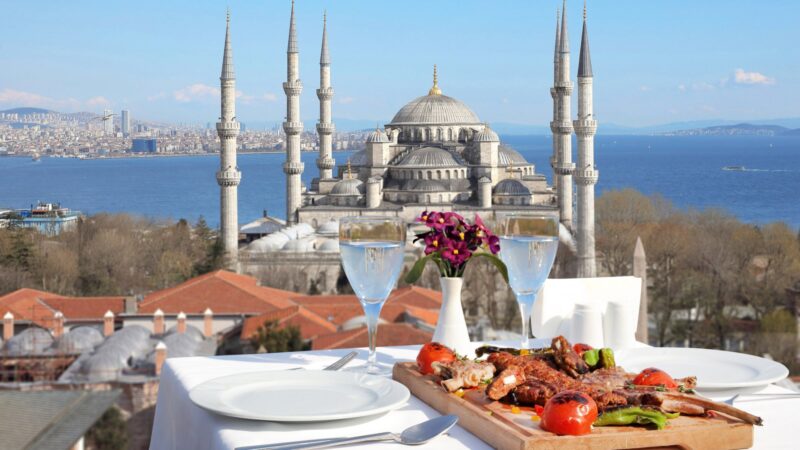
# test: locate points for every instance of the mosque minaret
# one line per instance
(562, 125)
(555, 95)
(228, 176)
(325, 127)
(585, 174)
(293, 126)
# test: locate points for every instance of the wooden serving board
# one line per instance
(498, 426)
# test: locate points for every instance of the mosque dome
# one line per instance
(377, 136)
(299, 245)
(435, 109)
(191, 331)
(511, 186)
(430, 157)
(348, 186)
(79, 340)
(329, 246)
(32, 341)
(103, 367)
(487, 135)
(329, 228)
(269, 243)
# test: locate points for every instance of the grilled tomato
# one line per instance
(654, 377)
(580, 348)
(569, 412)
(433, 352)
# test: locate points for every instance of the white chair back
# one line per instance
(556, 302)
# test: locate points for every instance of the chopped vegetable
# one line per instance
(569, 412)
(634, 415)
(607, 358)
(433, 352)
(515, 410)
(654, 377)
(591, 357)
(459, 393)
(535, 418)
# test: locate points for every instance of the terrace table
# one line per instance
(179, 424)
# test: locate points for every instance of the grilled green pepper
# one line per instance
(607, 358)
(635, 415)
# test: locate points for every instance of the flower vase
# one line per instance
(451, 328)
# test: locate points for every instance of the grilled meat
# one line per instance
(567, 359)
(463, 373)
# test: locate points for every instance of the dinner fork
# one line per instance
(336, 365)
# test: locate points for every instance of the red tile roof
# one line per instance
(388, 334)
(39, 306)
(310, 324)
(222, 291)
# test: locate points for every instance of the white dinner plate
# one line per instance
(299, 395)
(715, 370)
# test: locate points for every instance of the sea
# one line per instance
(687, 170)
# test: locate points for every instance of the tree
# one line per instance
(276, 340)
(211, 250)
(110, 431)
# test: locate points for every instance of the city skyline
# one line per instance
(695, 62)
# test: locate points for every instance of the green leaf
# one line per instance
(497, 262)
(413, 275)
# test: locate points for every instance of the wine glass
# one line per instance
(372, 250)
(528, 245)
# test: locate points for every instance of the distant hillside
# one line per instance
(22, 111)
(742, 129)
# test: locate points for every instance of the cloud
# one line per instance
(346, 100)
(645, 88)
(682, 87)
(98, 101)
(740, 76)
(197, 91)
(13, 97)
(270, 97)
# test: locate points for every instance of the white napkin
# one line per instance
(555, 305)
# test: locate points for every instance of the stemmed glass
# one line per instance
(372, 250)
(528, 245)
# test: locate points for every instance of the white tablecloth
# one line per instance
(179, 424)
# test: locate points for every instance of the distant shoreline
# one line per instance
(157, 155)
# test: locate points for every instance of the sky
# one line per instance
(654, 61)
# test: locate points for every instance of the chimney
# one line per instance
(158, 322)
(130, 305)
(161, 356)
(181, 322)
(58, 324)
(108, 323)
(208, 322)
(8, 326)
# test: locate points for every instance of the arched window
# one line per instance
(438, 174)
(441, 198)
(430, 176)
(419, 175)
(447, 174)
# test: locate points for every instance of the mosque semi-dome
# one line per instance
(348, 186)
(511, 186)
(430, 157)
(487, 135)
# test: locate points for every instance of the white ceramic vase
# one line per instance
(451, 328)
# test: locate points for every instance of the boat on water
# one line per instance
(735, 168)
(35, 157)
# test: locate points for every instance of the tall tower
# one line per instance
(125, 123)
(293, 168)
(228, 176)
(325, 127)
(554, 94)
(562, 125)
(585, 173)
